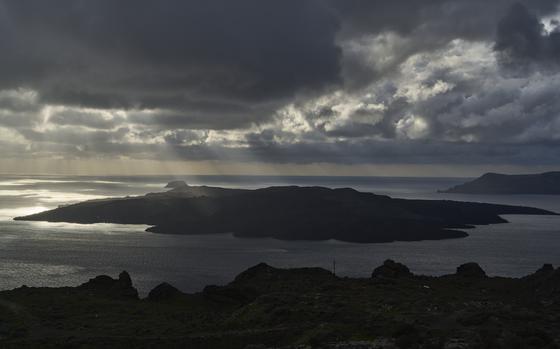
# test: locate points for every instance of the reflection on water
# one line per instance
(9, 213)
(56, 254)
(15, 269)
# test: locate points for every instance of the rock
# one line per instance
(261, 270)
(125, 280)
(540, 275)
(547, 283)
(391, 269)
(99, 282)
(177, 185)
(163, 292)
(546, 268)
(471, 270)
(107, 286)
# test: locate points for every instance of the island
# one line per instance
(288, 213)
(304, 308)
(494, 183)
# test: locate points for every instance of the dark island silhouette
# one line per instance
(289, 213)
(494, 183)
(266, 307)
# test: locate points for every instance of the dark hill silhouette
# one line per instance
(290, 213)
(494, 183)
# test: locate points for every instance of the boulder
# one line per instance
(546, 268)
(124, 279)
(163, 292)
(259, 271)
(471, 270)
(113, 288)
(99, 282)
(391, 269)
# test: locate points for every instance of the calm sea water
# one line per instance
(54, 254)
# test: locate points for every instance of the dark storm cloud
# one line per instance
(523, 43)
(430, 24)
(472, 19)
(341, 81)
(144, 53)
(171, 53)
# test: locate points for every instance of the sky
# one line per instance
(309, 87)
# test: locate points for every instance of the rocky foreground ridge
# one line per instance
(288, 213)
(266, 307)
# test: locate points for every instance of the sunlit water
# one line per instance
(56, 254)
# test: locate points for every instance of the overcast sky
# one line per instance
(392, 87)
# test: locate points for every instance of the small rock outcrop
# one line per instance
(541, 274)
(107, 286)
(546, 268)
(391, 269)
(163, 292)
(261, 270)
(471, 270)
(545, 281)
(125, 280)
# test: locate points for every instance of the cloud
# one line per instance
(302, 81)
(141, 53)
(86, 118)
(524, 44)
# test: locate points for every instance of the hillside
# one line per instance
(266, 307)
(494, 183)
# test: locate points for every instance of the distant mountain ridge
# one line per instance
(547, 183)
(288, 213)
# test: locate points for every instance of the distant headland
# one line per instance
(288, 213)
(494, 183)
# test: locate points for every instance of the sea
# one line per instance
(59, 254)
